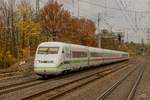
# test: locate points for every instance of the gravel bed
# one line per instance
(143, 89)
(18, 80)
(122, 91)
(50, 84)
(93, 90)
(44, 97)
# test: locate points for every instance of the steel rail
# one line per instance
(14, 87)
(105, 72)
(132, 92)
(109, 90)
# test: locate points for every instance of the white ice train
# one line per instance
(54, 58)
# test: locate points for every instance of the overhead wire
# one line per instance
(135, 17)
(120, 9)
(112, 8)
(125, 16)
(125, 6)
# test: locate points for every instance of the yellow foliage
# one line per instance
(24, 8)
(131, 52)
(25, 52)
(10, 58)
(28, 27)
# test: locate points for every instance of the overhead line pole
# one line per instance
(78, 8)
(136, 24)
(37, 6)
(73, 7)
(105, 8)
(98, 29)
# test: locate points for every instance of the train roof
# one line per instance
(82, 46)
(51, 43)
(59, 44)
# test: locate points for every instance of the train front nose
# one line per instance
(46, 68)
(46, 60)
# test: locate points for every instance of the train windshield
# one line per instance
(48, 50)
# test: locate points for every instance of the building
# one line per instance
(148, 36)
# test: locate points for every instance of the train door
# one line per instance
(67, 58)
(88, 55)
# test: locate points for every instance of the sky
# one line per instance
(115, 15)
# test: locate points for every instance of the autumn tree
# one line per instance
(54, 19)
(22, 29)
(58, 23)
(27, 26)
(88, 32)
(8, 32)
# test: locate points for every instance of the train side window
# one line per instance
(79, 54)
(96, 54)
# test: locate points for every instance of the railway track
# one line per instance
(11, 75)
(109, 91)
(8, 74)
(18, 86)
(22, 85)
(132, 92)
(58, 91)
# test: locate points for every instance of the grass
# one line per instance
(8, 69)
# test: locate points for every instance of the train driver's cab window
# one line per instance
(48, 50)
